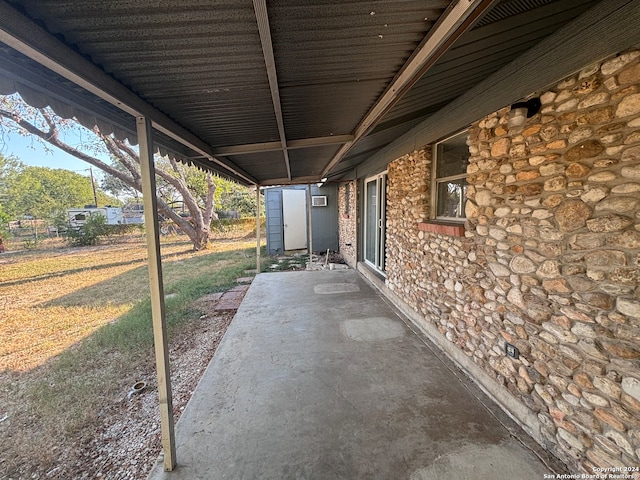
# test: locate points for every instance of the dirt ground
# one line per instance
(126, 441)
(44, 313)
(123, 441)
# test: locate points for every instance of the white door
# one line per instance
(294, 214)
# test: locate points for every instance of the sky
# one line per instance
(30, 151)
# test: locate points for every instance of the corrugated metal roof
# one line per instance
(510, 29)
(509, 8)
(202, 64)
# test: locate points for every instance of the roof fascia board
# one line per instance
(456, 20)
(28, 38)
(609, 27)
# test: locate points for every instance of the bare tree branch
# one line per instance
(53, 128)
(176, 169)
(55, 141)
(128, 161)
(197, 229)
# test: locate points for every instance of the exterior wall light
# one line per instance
(520, 112)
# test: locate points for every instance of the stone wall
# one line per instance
(347, 222)
(550, 260)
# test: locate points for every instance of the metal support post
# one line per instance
(257, 229)
(157, 291)
(309, 219)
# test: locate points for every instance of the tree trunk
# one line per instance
(198, 235)
(198, 229)
(201, 242)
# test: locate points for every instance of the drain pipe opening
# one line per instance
(137, 388)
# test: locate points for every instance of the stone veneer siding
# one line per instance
(550, 261)
(347, 225)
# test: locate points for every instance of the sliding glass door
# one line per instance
(374, 220)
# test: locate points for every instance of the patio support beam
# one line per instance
(310, 220)
(275, 146)
(260, 7)
(160, 340)
(293, 181)
(28, 38)
(607, 28)
(456, 20)
(257, 229)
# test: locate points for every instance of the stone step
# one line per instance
(231, 299)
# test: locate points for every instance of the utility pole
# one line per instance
(93, 185)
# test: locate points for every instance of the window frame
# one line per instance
(347, 199)
(436, 181)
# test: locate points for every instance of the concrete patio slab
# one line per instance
(318, 378)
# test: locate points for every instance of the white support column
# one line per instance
(310, 220)
(157, 291)
(257, 229)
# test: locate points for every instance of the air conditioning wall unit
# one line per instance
(319, 201)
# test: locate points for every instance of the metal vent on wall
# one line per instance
(319, 201)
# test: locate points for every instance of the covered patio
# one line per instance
(318, 377)
(318, 374)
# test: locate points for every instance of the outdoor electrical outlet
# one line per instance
(511, 350)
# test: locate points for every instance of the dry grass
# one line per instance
(75, 330)
(50, 301)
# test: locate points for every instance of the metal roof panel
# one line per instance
(201, 63)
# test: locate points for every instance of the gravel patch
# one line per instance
(125, 441)
(129, 441)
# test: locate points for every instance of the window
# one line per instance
(347, 199)
(450, 178)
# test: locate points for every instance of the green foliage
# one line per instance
(90, 233)
(233, 197)
(94, 229)
(60, 221)
(9, 168)
(117, 187)
(45, 193)
(4, 222)
(31, 243)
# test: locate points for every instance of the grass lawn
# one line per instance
(76, 328)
